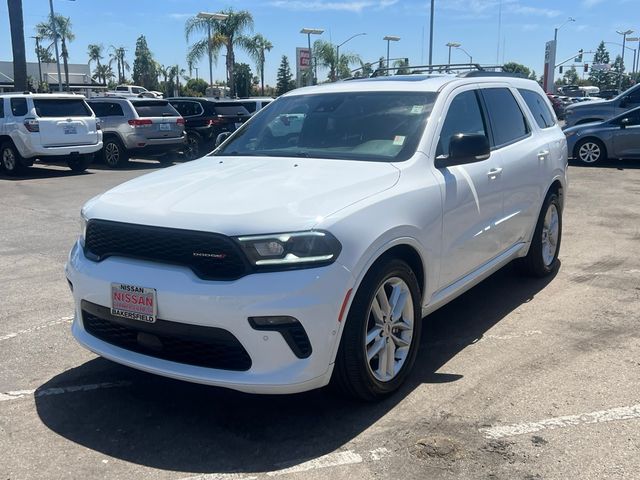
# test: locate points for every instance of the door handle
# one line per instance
(543, 154)
(494, 173)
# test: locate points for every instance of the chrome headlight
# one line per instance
(83, 227)
(283, 251)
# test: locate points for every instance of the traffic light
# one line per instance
(586, 68)
(560, 69)
(578, 59)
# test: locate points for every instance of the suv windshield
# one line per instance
(378, 126)
(57, 107)
(154, 108)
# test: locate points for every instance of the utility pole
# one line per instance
(39, 62)
(431, 34)
(55, 42)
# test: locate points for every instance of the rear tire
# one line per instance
(193, 146)
(590, 151)
(542, 258)
(81, 163)
(113, 153)
(10, 159)
(381, 335)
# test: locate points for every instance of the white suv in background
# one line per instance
(308, 246)
(51, 127)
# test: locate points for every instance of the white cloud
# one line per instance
(591, 3)
(356, 6)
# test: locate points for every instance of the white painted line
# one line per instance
(511, 336)
(335, 459)
(611, 415)
(221, 476)
(379, 453)
(35, 329)
(16, 394)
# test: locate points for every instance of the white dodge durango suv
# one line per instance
(307, 247)
(52, 127)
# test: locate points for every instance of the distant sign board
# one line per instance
(601, 67)
(303, 63)
(549, 66)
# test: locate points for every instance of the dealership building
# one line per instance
(80, 80)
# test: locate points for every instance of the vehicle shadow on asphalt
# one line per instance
(42, 172)
(612, 163)
(177, 426)
(131, 165)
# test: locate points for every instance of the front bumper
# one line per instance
(313, 296)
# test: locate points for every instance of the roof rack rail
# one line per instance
(461, 69)
(485, 73)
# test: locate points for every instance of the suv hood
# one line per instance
(583, 107)
(244, 195)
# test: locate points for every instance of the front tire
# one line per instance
(381, 334)
(192, 146)
(81, 163)
(542, 258)
(10, 159)
(590, 151)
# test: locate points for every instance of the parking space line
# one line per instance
(611, 415)
(335, 459)
(36, 328)
(16, 394)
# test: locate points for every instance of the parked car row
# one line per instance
(69, 128)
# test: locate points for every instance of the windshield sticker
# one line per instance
(417, 109)
(399, 140)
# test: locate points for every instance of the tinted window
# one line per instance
(632, 116)
(18, 107)
(464, 116)
(105, 109)
(154, 108)
(230, 108)
(187, 109)
(634, 96)
(1, 107)
(250, 106)
(122, 89)
(508, 123)
(57, 107)
(368, 126)
(137, 90)
(538, 107)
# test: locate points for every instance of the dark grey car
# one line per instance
(588, 112)
(615, 138)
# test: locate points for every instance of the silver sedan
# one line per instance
(618, 137)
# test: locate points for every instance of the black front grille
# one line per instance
(189, 344)
(211, 256)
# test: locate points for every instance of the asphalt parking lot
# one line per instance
(517, 379)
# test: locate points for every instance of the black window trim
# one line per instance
(553, 116)
(492, 138)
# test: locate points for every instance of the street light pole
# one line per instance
(39, 62)
(451, 45)
(555, 51)
(338, 52)
(431, 33)
(467, 53)
(313, 66)
(624, 41)
(389, 39)
(55, 42)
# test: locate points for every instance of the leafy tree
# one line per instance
(256, 47)
(95, 54)
(325, 55)
(571, 76)
(366, 69)
(196, 87)
(242, 79)
(514, 67)
(118, 55)
(104, 73)
(402, 66)
(144, 66)
(63, 29)
(617, 70)
(227, 33)
(601, 78)
(285, 77)
(17, 45)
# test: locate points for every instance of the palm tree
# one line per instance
(63, 29)
(256, 46)
(95, 54)
(325, 55)
(118, 56)
(104, 73)
(17, 45)
(226, 33)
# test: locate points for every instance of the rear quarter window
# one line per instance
(18, 107)
(508, 123)
(539, 108)
(188, 108)
(154, 108)
(230, 108)
(56, 107)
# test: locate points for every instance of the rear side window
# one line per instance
(18, 107)
(464, 116)
(104, 109)
(1, 107)
(250, 106)
(539, 108)
(56, 107)
(137, 90)
(122, 89)
(188, 109)
(154, 108)
(508, 123)
(230, 108)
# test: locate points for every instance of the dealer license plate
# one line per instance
(70, 129)
(136, 303)
(165, 126)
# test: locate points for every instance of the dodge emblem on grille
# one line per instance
(218, 256)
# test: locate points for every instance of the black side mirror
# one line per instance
(465, 148)
(624, 123)
(221, 138)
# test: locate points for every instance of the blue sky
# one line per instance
(526, 26)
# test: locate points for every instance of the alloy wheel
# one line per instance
(8, 160)
(112, 154)
(550, 233)
(390, 329)
(589, 152)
